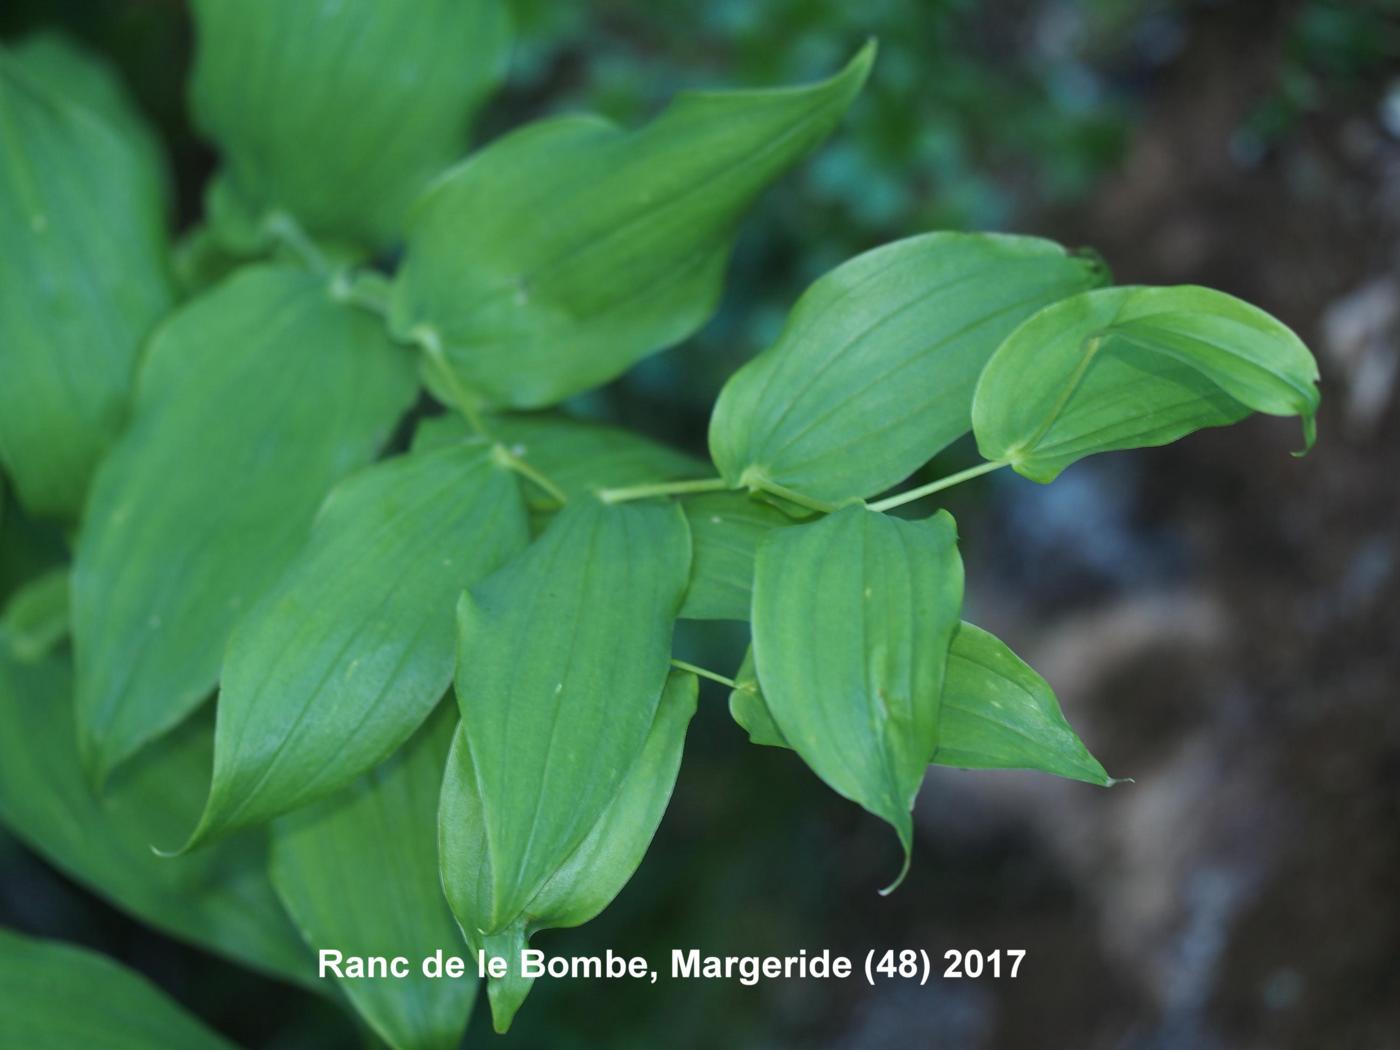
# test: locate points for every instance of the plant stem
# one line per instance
(427, 337)
(711, 675)
(936, 486)
(511, 461)
(367, 289)
(288, 232)
(783, 492)
(661, 488)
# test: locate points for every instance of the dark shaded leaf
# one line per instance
(220, 899)
(83, 278)
(359, 874)
(54, 996)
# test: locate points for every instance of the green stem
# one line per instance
(511, 461)
(661, 488)
(288, 231)
(367, 289)
(428, 339)
(783, 492)
(936, 486)
(713, 676)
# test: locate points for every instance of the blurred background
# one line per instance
(1220, 621)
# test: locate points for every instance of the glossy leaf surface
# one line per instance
(220, 899)
(725, 531)
(359, 874)
(253, 401)
(852, 619)
(355, 644)
(593, 246)
(593, 874)
(55, 996)
(560, 666)
(1126, 368)
(340, 111)
(874, 371)
(84, 276)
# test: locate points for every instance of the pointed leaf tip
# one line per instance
(347, 655)
(576, 215)
(852, 621)
(1165, 362)
(906, 842)
(507, 994)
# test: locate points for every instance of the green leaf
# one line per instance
(592, 875)
(355, 644)
(591, 246)
(996, 713)
(88, 79)
(340, 111)
(36, 618)
(56, 997)
(1126, 368)
(852, 619)
(999, 714)
(253, 401)
(750, 710)
(725, 531)
(84, 275)
(359, 874)
(874, 372)
(578, 455)
(561, 660)
(220, 899)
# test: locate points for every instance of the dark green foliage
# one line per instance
(446, 690)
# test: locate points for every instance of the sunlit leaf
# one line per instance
(55, 996)
(253, 401)
(359, 874)
(340, 111)
(1126, 368)
(875, 370)
(84, 275)
(560, 666)
(592, 875)
(558, 256)
(219, 899)
(355, 644)
(852, 619)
